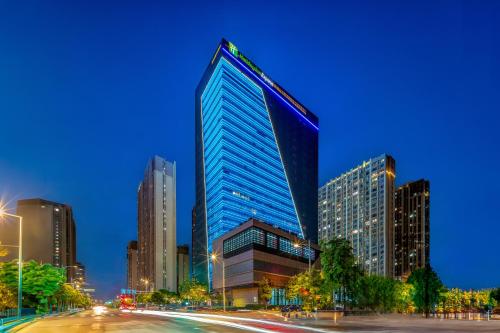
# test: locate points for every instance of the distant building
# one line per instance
(255, 250)
(195, 244)
(411, 228)
(256, 155)
(157, 248)
(132, 263)
(49, 234)
(182, 264)
(80, 275)
(359, 206)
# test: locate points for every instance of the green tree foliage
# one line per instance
(157, 298)
(265, 290)
(144, 298)
(67, 297)
(495, 294)
(42, 281)
(340, 269)
(9, 274)
(306, 286)
(428, 289)
(169, 297)
(404, 298)
(43, 285)
(7, 298)
(193, 291)
(377, 293)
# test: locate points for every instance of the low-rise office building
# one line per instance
(255, 250)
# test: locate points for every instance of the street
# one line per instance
(146, 322)
(116, 321)
(165, 321)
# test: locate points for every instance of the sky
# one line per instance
(90, 90)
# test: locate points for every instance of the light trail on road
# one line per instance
(214, 319)
(203, 320)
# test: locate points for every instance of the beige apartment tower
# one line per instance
(157, 248)
(359, 206)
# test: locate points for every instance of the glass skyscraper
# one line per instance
(256, 155)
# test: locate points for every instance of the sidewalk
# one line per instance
(15, 325)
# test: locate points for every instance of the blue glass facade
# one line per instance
(244, 175)
(256, 156)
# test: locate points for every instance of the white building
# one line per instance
(359, 206)
(157, 247)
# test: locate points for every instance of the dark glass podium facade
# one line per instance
(256, 155)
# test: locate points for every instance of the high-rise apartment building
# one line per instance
(359, 206)
(49, 234)
(256, 155)
(132, 265)
(80, 278)
(411, 228)
(157, 248)
(182, 264)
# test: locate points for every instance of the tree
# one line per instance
(9, 274)
(404, 298)
(306, 286)
(143, 298)
(193, 291)
(40, 282)
(377, 293)
(340, 269)
(169, 297)
(7, 298)
(157, 298)
(427, 289)
(495, 294)
(67, 296)
(265, 290)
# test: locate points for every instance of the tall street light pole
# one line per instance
(214, 258)
(20, 261)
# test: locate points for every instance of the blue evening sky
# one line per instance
(90, 90)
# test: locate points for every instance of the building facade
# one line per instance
(254, 251)
(256, 155)
(411, 228)
(157, 248)
(182, 264)
(80, 275)
(49, 234)
(132, 265)
(359, 206)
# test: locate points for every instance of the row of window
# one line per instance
(255, 235)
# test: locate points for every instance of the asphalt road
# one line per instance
(116, 321)
(146, 321)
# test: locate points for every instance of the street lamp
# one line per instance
(3, 213)
(146, 283)
(215, 259)
(299, 243)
